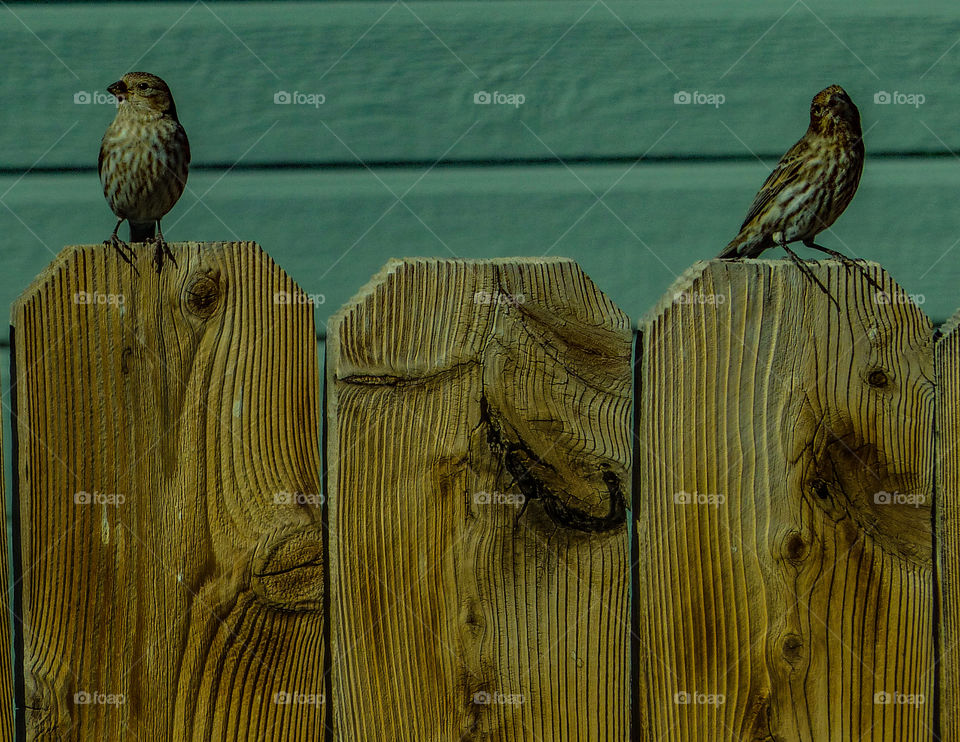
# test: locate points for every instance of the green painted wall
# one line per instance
(317, 186)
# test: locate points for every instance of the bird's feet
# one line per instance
(161, 248)
(848, 263)
(807, 271)
(126, 252)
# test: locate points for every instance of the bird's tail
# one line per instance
(747, 244)
(142, 231)
(733, 249)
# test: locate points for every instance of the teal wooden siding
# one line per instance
(398, 83)
(317, 185)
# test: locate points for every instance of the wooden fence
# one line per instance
(529, 530)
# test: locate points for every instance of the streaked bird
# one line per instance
(810, 187)
(144, 160)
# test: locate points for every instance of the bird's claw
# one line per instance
(126, 252)
(808, 273)
(851, 263)
(848, 263)
(160, 249)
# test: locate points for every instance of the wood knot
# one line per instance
(796, 548)
(791, 647)
(820, 488)
(472, 616)
(546, 479)
(203, 295)
(287, 568)
(126, 360)
(878, 378)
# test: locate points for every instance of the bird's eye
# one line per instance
(142, 86)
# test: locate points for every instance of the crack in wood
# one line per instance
(520, 461)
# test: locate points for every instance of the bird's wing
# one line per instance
(186, 146)
(100, 162)
(783, 175)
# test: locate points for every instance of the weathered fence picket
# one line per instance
(6, 661)
(167, 440)
(526, 536)
(786, 470)
(948, 526)
(478, 443)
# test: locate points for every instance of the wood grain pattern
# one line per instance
(785, 508)
(168, 475)
(478, 445)
(947, 357)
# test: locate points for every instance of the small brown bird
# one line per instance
(810, 187)
(144, 158)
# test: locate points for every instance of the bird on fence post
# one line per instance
(144, 159)
(809, 188)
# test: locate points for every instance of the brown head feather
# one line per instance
(145, 92)
(834, 114)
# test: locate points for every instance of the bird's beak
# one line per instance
(118, 90)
